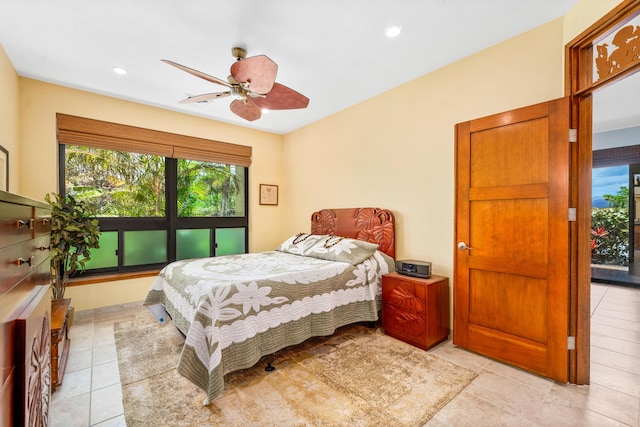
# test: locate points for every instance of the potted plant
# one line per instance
(74, 232)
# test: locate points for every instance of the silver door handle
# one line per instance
(463, 246)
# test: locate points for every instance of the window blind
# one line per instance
(73, 130)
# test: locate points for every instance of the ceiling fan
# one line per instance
(251, 84)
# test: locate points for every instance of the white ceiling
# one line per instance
(332, 51)
(616, 106)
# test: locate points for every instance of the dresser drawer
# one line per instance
(15, 223)
(42, 222)
(40, 250)
(16, 262)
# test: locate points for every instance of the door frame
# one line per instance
(579, 86)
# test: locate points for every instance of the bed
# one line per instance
(235, 309)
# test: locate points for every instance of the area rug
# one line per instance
(356, 377)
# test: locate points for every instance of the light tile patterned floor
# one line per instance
(90, 394)
(500, 396)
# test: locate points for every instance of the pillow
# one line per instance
(330, 248)
(300, 243)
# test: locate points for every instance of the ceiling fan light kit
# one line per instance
(239, 53)
(252, 85)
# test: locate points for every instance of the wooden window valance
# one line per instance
(73, 130)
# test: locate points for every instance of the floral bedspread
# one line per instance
(235, 309)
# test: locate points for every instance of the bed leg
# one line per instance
(270, 367)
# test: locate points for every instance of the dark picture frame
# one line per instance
(268, 194)
(4, 169)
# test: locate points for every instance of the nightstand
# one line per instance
(416, 310)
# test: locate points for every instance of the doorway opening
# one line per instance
(615, 225)
(615, 214)
(593, 63)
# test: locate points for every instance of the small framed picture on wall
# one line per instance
(268, 194)
(4, 169)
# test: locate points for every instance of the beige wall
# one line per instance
(393, 151)
(396, 150)
(9, 117)
(584, 14)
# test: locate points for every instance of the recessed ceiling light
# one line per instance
(393, 31)
(265, 111)
(119, 70)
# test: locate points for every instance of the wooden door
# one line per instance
(511, 288)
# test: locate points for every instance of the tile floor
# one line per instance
(500, 396)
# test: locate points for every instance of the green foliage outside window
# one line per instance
(123, 184)
(618, 200)
(116, 183)
(209, 189)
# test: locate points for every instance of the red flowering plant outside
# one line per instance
(598, 233)
(610, 236)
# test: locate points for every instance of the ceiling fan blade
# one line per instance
(198, 73)
(204, 97)
(258, 71)
(282, 98)
(246, 109)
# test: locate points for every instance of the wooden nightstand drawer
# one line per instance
(405, 294)
(416, 310)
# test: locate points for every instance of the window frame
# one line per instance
(170, 222)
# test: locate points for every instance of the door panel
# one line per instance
(513, 145)
(511, 308)
(511, 289)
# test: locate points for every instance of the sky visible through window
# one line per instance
(607, 181)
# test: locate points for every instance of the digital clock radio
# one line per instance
(414, 268)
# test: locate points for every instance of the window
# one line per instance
(209, 189)
(116, 184)
(161, 198)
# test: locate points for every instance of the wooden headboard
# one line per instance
(373, 225)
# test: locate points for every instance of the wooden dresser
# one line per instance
(416, 310)
(25, 312)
